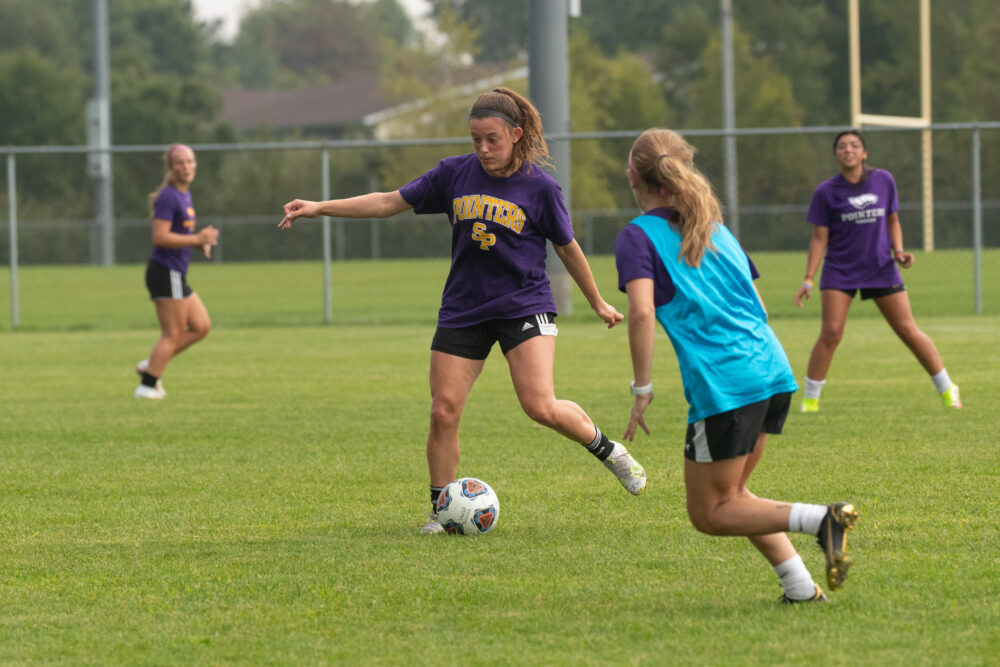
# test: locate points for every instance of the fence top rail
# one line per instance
(442, 141)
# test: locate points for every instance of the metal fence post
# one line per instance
(15, 307)
(977, 223)
(327, 290)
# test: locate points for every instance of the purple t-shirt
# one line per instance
(636, 257)
(176, 206)
(859, 252)
(498, 231)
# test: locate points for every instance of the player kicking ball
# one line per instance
(502, 208)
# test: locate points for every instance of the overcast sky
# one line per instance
(230, 11)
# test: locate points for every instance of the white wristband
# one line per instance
(641, 391)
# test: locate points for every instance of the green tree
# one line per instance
(303, 42)
(772, 170)
(40, 102)
(162, 35)
(504, 25)
(617, 93)
(388, 20)
(52, 29)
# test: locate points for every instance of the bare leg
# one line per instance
(531, 365)
(835, 307)
(897, 312)
(451, 380)
(183, 322)
(719, 503)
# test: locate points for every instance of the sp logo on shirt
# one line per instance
(479, 234)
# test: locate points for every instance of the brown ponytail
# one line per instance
(516, 111)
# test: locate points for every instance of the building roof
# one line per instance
(358, 99)
(333, 104)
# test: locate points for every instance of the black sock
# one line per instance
(435, 492)
(601, 447)
(149, 380)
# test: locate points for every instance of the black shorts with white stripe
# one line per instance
(164, 283)
(475, 342)
(729, 435)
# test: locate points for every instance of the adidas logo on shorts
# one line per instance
(527, 325)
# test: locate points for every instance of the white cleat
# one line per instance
(142, 391)
(432, 526)
(141, 367)
(626, 469)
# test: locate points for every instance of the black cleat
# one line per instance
(839, 519)
(819, 597)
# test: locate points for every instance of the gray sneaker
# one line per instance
(432, 526)
(626, 469)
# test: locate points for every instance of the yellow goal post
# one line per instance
(858, 119)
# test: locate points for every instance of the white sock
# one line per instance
(941, 381)
(806, 518)
(795, 579)
(814, 387)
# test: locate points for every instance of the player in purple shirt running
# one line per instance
(502, 208)
(182, 315)
(856, 226)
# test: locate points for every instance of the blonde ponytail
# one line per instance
(168, 157)
(663, 159)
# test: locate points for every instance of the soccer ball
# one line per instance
(468, 506)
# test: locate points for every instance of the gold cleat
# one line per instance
(840, 518)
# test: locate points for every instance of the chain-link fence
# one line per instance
(240, 188)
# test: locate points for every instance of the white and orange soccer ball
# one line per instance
(468, 506)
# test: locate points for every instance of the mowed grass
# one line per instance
(266, 512)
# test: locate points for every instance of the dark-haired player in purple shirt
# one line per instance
(502, 208)
(856, 226)
(182, 315)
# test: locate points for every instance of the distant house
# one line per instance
(353, 107)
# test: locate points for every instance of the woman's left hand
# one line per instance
(637, 418)
(904, 259)
(609, 314)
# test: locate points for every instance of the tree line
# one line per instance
(633, 64)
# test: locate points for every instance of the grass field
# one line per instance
(267, 511)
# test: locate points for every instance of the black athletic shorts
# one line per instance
(475, 342)
(873, 292)
(164, 283)
(729, 435)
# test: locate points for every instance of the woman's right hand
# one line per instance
(208, 235)
(298, 208)
(802, 291)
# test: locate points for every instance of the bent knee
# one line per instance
(201, 330)
(701, 519)
(542, 413)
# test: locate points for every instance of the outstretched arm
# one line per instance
(371, 205)
(576, 264)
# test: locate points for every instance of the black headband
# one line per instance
(480, 113)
